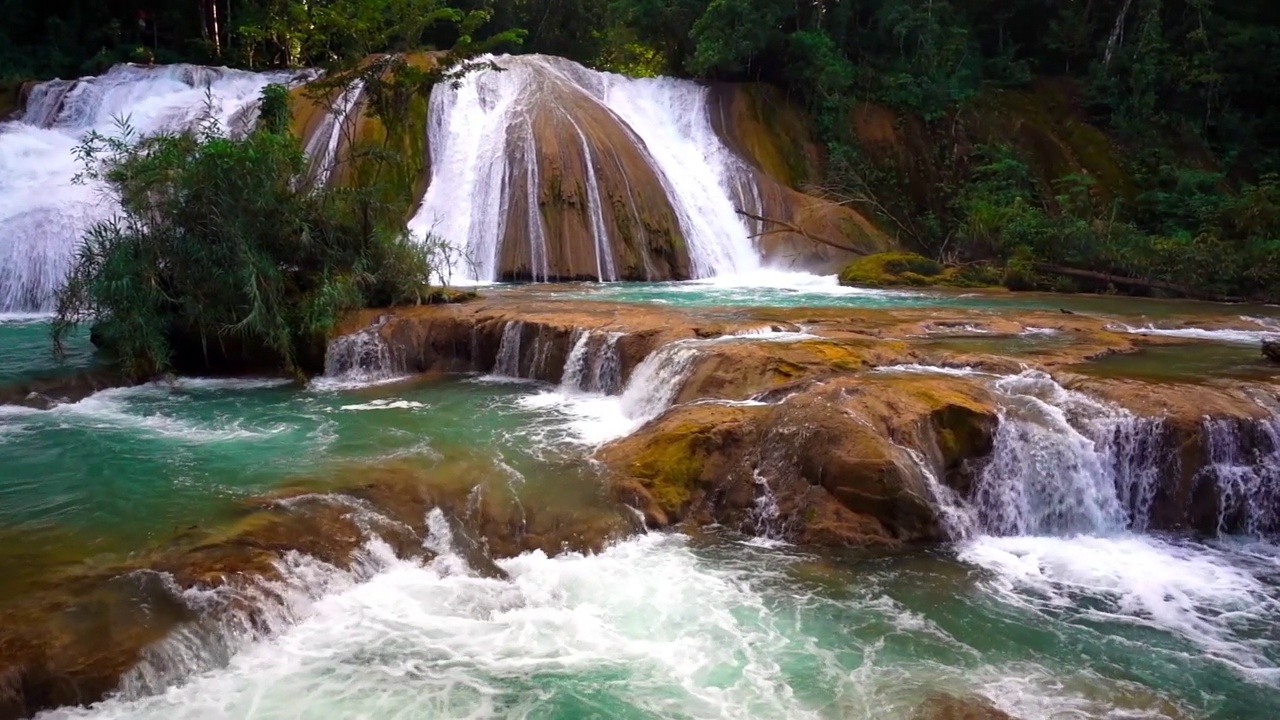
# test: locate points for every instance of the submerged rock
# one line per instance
(44, 393)
(1271, 350)
(942, 706)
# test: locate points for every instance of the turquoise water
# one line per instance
(1187, 362)
(800, 290)
(130, 467)
(658, 626)
(665, 626)
(26, 349)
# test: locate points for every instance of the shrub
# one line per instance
(218, 246)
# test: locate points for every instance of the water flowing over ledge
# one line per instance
(1051, 495)
(43, 213)
(508, 144)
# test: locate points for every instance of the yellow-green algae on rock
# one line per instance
(891, 269)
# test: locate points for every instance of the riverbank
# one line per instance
(525, 433)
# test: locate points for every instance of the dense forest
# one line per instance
(1168, 105)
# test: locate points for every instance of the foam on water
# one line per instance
(650, 627)
(1239, 337)
(593, 419)
(782, 280)
(1192, 591)
(387, 404)
(930, 370)
(640, 625)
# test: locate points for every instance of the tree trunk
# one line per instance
(214, 32)
(1135, 282)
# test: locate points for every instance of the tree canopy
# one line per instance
(1179, 88)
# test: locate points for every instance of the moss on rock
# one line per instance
(893, 269)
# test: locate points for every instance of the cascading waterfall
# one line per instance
(476, 130)
(657, 380)
(360, 358)
(322, 147)
(1060, 462)
(593, 364)
(43, 212)
(1244, 464)
(766, 516)
(508, 361)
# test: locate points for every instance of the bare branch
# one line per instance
(784, 226)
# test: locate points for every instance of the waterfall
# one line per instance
(477, 130)
(361, 358)
(657, 380)
(508, 361)
(766, 516)
(593, 364)
(1243, 463)
(322, 146)
(43, 213)
(1063, 463)
(957, 518)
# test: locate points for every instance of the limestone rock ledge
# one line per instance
(806, 440)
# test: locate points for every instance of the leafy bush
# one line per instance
(218, 245)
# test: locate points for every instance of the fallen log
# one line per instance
(1135, 282)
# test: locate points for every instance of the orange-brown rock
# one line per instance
(772, 135)
(566, 152)
(848, 479)
(944, 706)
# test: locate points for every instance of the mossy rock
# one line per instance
(890, 269)
(897, 269)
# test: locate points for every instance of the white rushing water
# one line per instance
(476, 130)
(43, 213)
(1236, 337)
(650, 627)
(1070, 482)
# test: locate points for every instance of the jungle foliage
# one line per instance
(1180, 89)
(217, 245)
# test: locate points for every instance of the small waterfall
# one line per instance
(1243, 463)
(657, 380)
(593, 364)
(1046, 475)
(1137, 451)
(43, 213)
(508, 361)
(476, 130)
(766, 516)
(228, 619)
(956, 516)
(322, 147)
(361, 358)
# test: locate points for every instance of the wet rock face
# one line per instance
(571, 162)
(772, 136)
(834, 459)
